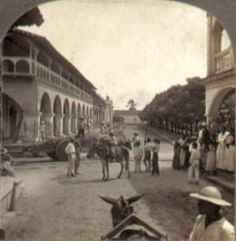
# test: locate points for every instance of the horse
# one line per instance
(102, 148)
(121, 207)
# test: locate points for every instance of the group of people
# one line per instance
(205, 153)
(148, 153)
(6, 163)
(72, 150)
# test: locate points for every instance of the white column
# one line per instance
(31, 126)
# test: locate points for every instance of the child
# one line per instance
(211, 160)
(155, 158)
(138, 154)
(193, 171)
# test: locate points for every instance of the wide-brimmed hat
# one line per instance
(212, 195)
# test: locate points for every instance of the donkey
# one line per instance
(101, 148)
(121, 207)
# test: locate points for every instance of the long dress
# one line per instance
(229, 158)
(220, 151)
(211, 160)
(176, 159)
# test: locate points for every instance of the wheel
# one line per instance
(60, 150)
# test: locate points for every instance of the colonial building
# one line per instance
(129, 117)
(220, 80)
(41, 86)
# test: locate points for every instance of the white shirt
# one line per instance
(220, 230)
(70, 148)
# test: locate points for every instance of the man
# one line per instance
(210, 225)
(77, 152)
(136, 138)
(113, 143)
(71, 155)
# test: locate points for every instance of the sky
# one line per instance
(128, 49)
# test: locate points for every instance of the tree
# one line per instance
(131, 104)
(30, 18)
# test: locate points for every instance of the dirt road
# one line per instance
(54, 208)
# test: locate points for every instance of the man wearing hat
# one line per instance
(71, 156)
(210, 225)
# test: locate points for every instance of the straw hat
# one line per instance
(212, 195)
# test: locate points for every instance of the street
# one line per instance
(55, 208)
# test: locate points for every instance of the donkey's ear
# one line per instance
(134, 198)
(109, 200)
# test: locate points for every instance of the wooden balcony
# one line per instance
(25, 66)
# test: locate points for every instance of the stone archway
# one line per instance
(66, 117)
(57, 110)
(73, 118)
(219, 97)
(46, 115)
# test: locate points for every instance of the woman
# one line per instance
(229, 157)
(182, 154)
(220, 151)
(176, 159)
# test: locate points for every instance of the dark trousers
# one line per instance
(81, 132)
(155, 164)
(147, 160)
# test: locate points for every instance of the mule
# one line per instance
(102, 148)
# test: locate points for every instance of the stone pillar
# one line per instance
(49, 124)
(31, 126)
(209, 45)
(67, 124)
(58, 125)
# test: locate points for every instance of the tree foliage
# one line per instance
(30, 18)
(179, 104)
(132, 104)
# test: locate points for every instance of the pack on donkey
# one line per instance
(108, 149)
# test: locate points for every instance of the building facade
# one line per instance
(220, 81)
(129, 117)
(43, 89)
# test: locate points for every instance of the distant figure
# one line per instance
(209, 224)
(138, 154)
(71, 155)
(136, 138)
(5, 163)
(211, 160)
(147, 154)
(42, 131)
(113, 144)
(81, 128)
(77, 152)
(230, 150)
(182, 155)
(220, 151)
(193, 170)
(155, 157)
(176, 159)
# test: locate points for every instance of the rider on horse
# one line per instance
(113, 144)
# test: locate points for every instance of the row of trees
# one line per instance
(178, 109)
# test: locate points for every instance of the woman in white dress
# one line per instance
(220, 151)
(229, 159)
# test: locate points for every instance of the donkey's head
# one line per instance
(121, 207)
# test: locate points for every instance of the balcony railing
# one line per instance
(25, 66)
(224, 60)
